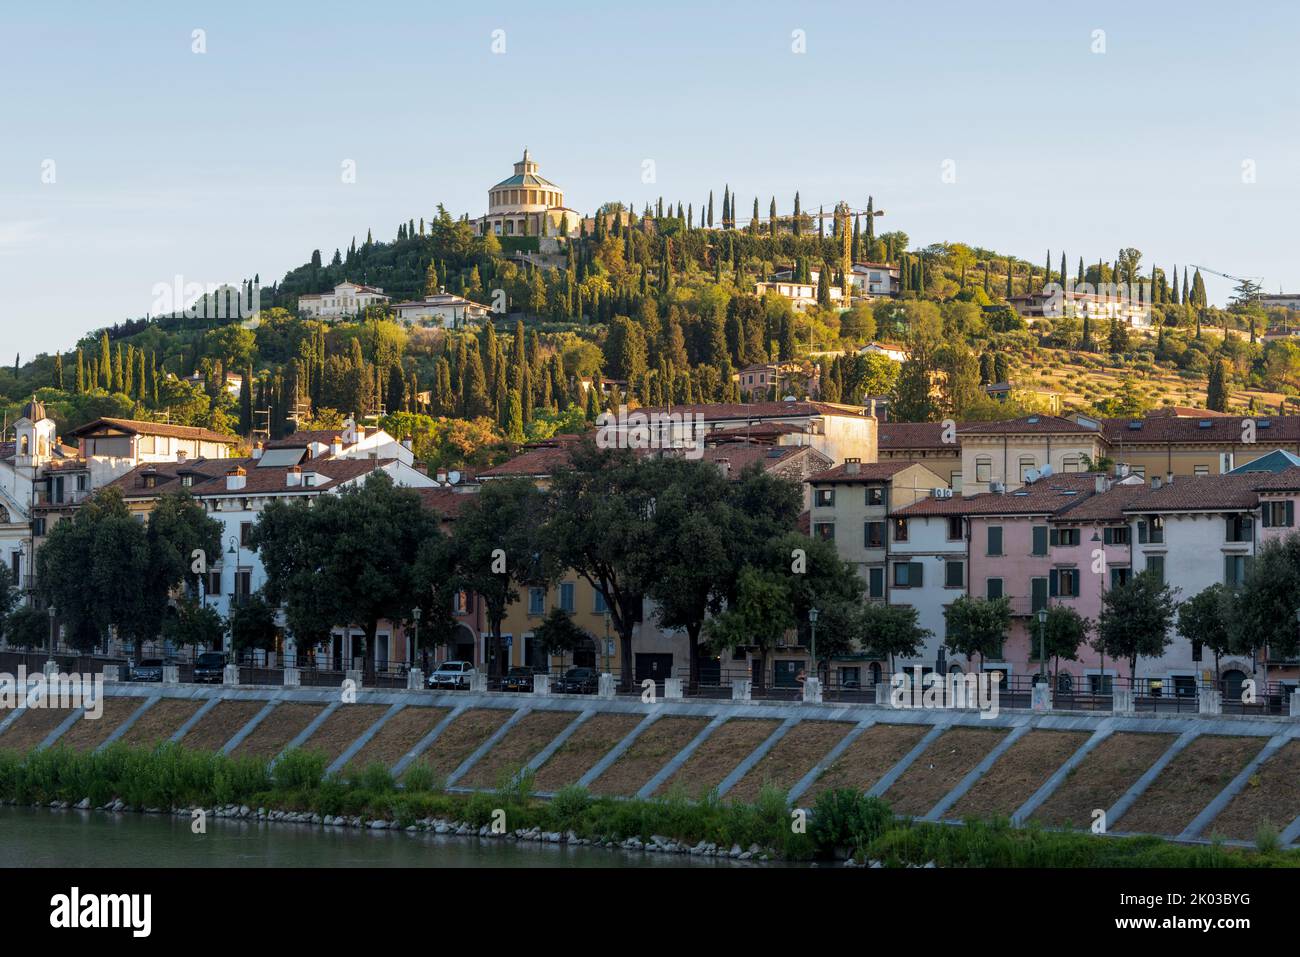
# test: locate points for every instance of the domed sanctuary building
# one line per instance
(528, 205)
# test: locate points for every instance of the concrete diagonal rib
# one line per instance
(363, 739)
(756, 755)
(194, 719)
(557, 742)
(1224, 797)
(423, 745)
(249, 726)
(896, 772)
(1048, 787)
(616, 752)
(833, 755)
(58, 732)
(488, 745)
(126, 725)
(668, 770)
(12, 717)
(305, 734)
(1129, 797)
(974, 774)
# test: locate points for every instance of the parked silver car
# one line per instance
(452, 674)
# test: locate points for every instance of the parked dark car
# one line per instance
(578, 681)
(210, 667)
(149, 669)
(518, 679)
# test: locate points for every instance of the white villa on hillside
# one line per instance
(347, 299)
(443, 309)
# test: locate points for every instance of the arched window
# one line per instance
(983, 469)
(1071, 463)
(1027, 464)
(22, 445)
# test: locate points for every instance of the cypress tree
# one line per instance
(710, 220)
(798, 227)
(1009, 290)
(81, 370)
(105, 362)
(871, 221)
(1216, 396)
(771, 218)
(58, 370)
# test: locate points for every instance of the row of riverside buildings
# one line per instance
(1041, 509)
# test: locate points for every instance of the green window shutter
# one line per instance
(1054, 537)
(995, 540)
(915, 574)
(1142, 533)
(1267, 511)
(1290, 513)
(876, 577)
(1054, 583)
(1040, 539)
(1038, 593)
(1227, 569)
(1108, 536)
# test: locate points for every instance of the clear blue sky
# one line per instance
(225, 164)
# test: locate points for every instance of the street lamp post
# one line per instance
(52, 631)
(812, 621)
(415, 648)
(606, 648)
(1042, 632)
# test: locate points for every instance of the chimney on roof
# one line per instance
(1169, 478)
(407, 442)
(336, 446)
(724, 466)
(871, 407)
(181, 455)
(422, 468)
(293, 477)
(852, 466)
(236, 479)
(257, 450)
(1155, 481)
(1101, 484)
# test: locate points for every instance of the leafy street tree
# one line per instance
(252, 624)
(194, 624)
(703, 529)
(1135, 620)
(1263, 617)
(558, 634)
(494, 551)
(346, 559)
(27, 627)
(892, 631)
(1063, 633)
(977, 626)
(104, 569)
(599, 523)
(8, 595)
(758, 618)
(1205, 619)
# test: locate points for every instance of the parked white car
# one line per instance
(452, 674)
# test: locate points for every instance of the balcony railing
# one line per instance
(68, 497)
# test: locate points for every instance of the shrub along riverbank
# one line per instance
(843, 821)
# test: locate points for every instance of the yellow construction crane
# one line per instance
(842, 216)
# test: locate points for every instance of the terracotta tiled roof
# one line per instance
(446, 502)
(718, 411)
(867, 472)
(299, 440)
(1026, 424)
(1217, 429)
(1107, 506)
(1288, 480)
(139, 427)
(210, 476)
(1044, 497)
(914, 435)
(537, 460)
(1200, 493)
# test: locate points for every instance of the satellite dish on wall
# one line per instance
(453, 477)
